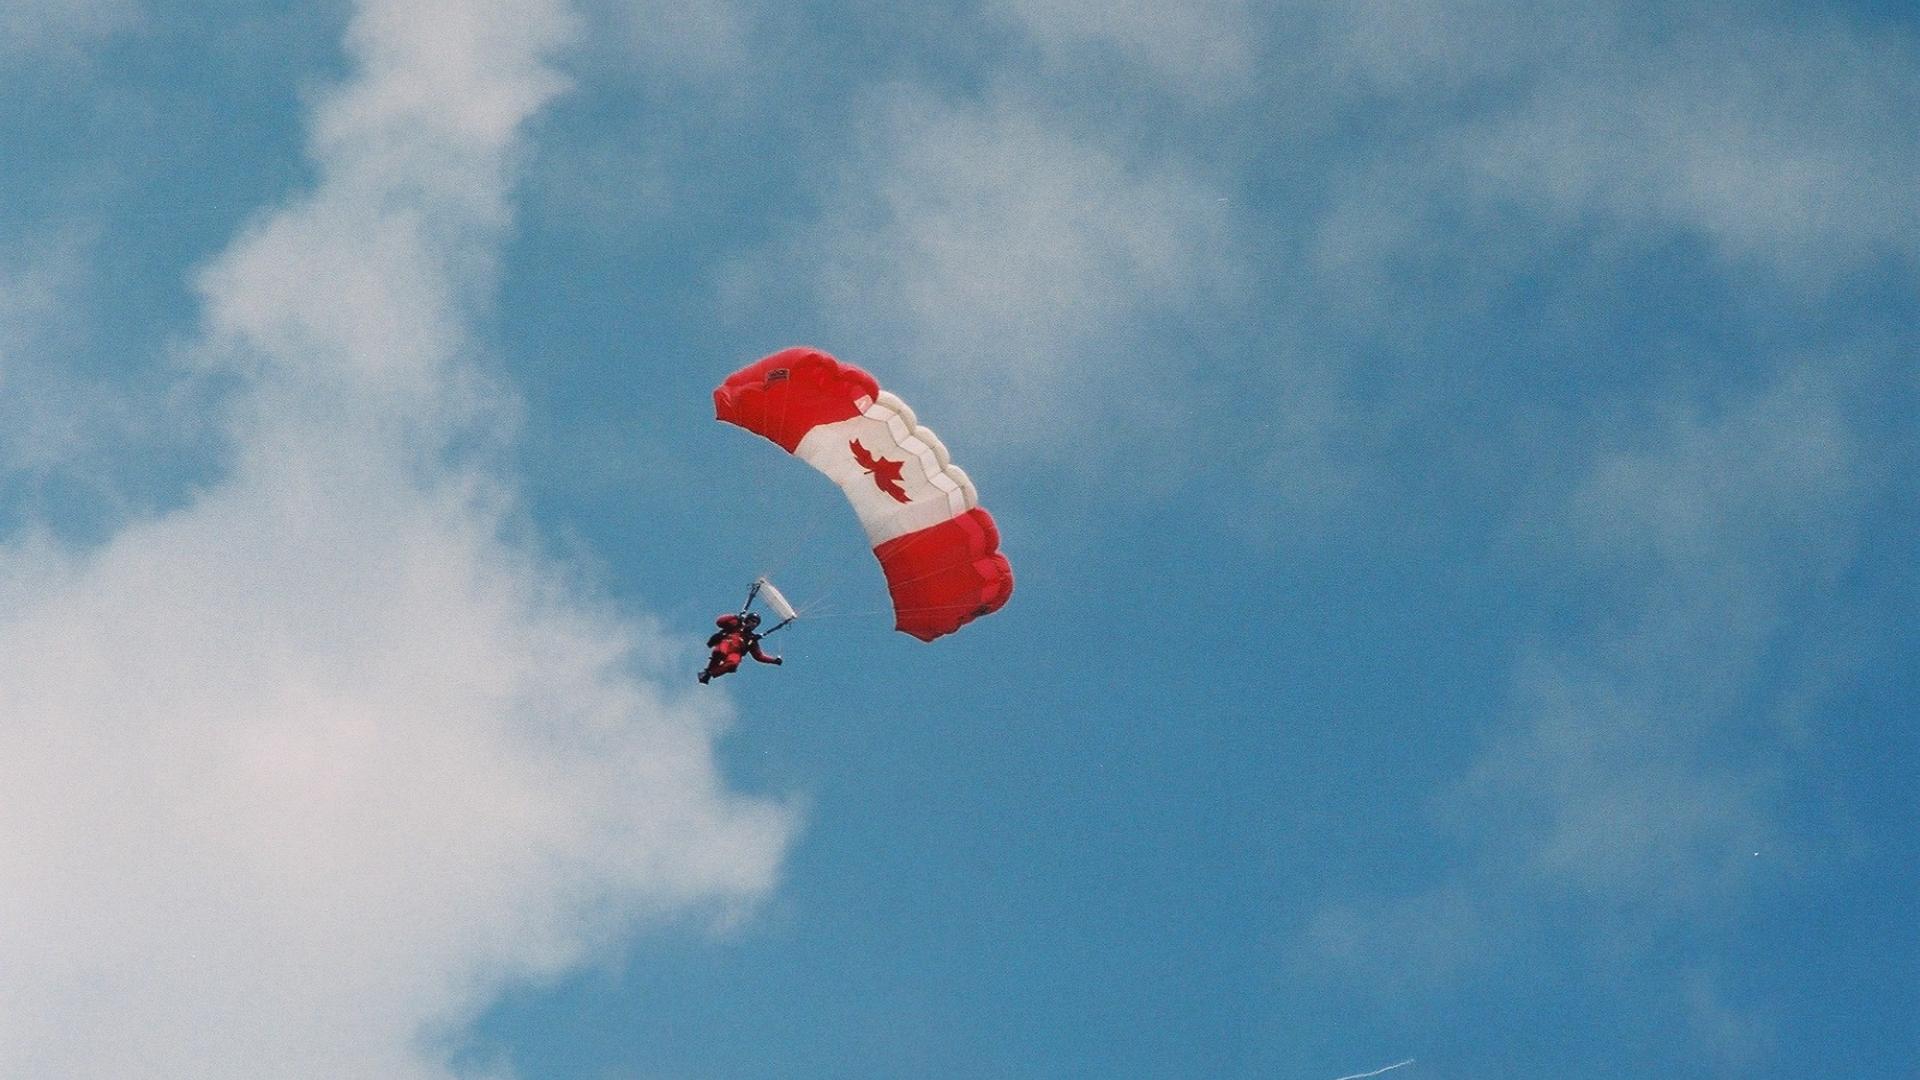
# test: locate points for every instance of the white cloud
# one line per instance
(318, 764)
(1206, 49)
(1012, 255)
(301, 775)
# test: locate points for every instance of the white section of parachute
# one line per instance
(934, 489)
(764, 590)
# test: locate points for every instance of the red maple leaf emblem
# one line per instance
(886, 474)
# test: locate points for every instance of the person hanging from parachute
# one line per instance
(938, 548)
(739, 634)
(738, 638)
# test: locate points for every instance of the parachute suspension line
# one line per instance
(839, 575)
(832, 586)
(784, 546)
(923, 577)
(815, 615)
(820, 599)
(868, 613)
(835, 579)
(803, 543)
(756, 538)
(788, 547)
(811, 615)
(793, 547)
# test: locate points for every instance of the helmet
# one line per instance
(752, 619)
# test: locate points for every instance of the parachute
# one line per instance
(939, 549)
(764, 590)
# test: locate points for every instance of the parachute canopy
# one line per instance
(764, 590)
(939, 549)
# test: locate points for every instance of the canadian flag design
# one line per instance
(939, 549)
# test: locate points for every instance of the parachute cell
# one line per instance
(938, 548)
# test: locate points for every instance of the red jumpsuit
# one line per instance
(733, 642)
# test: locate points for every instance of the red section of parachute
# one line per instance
(947, 576)
(790, 393)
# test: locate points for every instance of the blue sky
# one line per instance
(1457, 457)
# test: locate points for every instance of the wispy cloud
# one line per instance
(61, 26)
(1707, 540)
(37, 285)
(1552, 162)
(62, 423)
(707, 39)
(995, 244)
(1432, 49)
(1682, 549)
(1206, 49)
(1639, 768)
(1777, 146)
(301, 774)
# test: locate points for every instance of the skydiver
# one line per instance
(738, 637)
